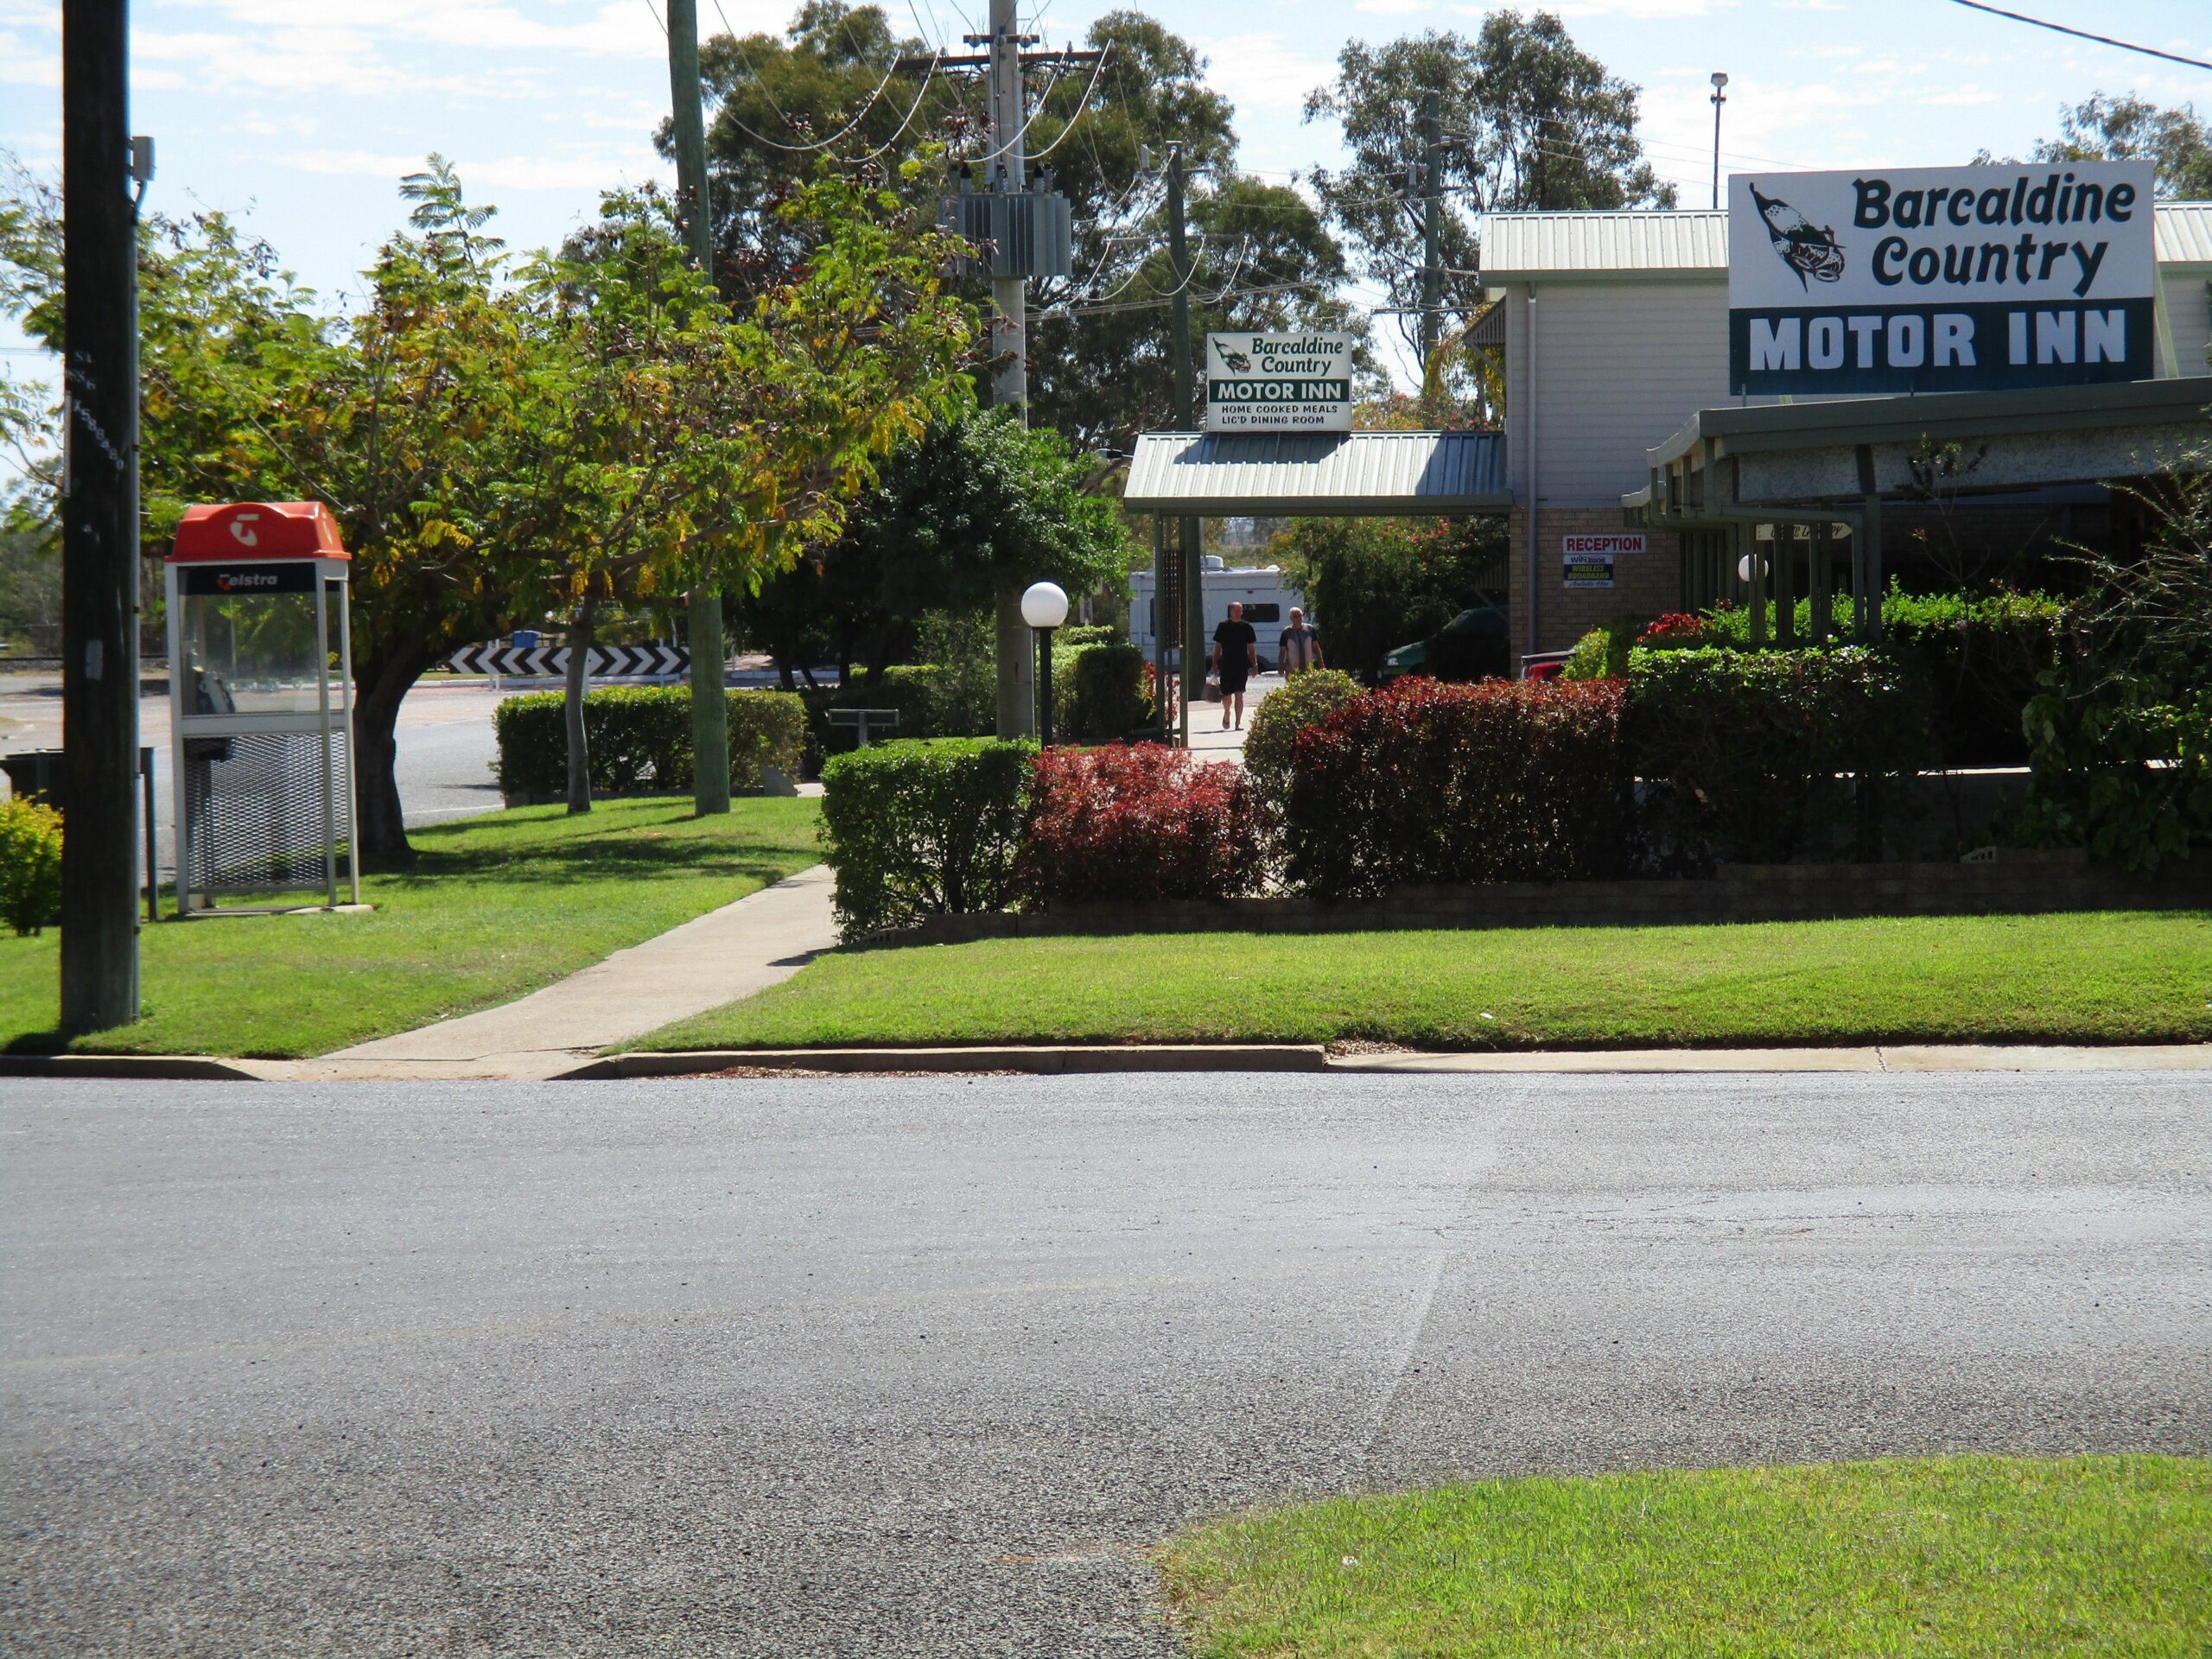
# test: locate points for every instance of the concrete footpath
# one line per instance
(758, 941)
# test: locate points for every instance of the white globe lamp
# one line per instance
(1044, 607)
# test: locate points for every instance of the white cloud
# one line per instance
(581, 171)
(1258, 71)
(1640, 10)
(23, 64)
(1392, 8)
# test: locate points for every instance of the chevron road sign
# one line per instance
(551, 662)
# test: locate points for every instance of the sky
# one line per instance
(300, 115)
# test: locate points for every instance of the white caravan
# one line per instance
(1262, 590)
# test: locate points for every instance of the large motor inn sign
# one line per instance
(1940, 278)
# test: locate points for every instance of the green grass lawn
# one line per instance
(492, 908)
(1956, 1558)
(2091, 977)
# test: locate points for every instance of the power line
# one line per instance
(796, 150)
(2082, 34)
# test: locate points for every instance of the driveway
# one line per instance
(919, 1367)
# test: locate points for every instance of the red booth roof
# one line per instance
(241, 531)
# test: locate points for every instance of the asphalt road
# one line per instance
(920, 1367)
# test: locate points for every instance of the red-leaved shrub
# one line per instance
(1497, 781)
(1676, 628)
(1127, 825)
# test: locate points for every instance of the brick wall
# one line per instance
(1647, 584)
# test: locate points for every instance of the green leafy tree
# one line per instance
(1530, 121)
(974, 504)
(1098, 348)
(2128, 128)
(421, 419)
(1379, 583)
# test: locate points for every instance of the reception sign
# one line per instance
(1940, 279)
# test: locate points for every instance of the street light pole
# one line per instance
(1044, 607)
(99, 524)
(1720, 80)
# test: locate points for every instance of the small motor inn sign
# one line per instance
(1588, 560)
(1940, 279)
(1278, 382)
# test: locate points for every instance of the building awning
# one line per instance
(1344, 476)
(1734, 461)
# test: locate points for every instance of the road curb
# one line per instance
(150, 1068)
(1044, 1061)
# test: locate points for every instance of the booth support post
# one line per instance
(100, 517)
(1194, 593)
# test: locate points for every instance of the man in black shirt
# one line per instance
(1235, 654)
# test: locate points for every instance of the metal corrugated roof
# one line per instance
(1342, 475)
(2185, 232)
(1516, 246)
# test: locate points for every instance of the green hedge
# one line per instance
(1499, 780)
(1980, 659)
(1098, 692)
(923, 828)
(30, 864)
(639, 740)
(1739, 751)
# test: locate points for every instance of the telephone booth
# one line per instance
(261, 707)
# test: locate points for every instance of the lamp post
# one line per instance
(1044, 607)
(1720, 80)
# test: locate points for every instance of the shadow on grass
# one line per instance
(573, 850)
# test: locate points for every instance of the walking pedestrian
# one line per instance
(1300, 647)
(1235, 654)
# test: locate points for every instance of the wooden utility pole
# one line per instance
(99, 524)
(1007, 173)
(1194, 590)
(1432, 230)
(703, 612)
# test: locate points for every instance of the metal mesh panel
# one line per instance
(256, 807)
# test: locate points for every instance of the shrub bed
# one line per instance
(1739, 751)
(1135, 825)
(1978, 659)
(1304, 700)
(920, 827)
(639, 740)
(1496, 781)
(30, 864)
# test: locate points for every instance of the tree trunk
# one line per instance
(381, 684)
(573, 705)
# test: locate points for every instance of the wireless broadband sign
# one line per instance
(1940, 278)
(1278, 382)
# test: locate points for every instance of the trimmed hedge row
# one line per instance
(1427, 782)
(1698, 756)
(1136, 825)
(921, 828)
(639, 740)
(1742, 752)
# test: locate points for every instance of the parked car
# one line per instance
(1476, 644)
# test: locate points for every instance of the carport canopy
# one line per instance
(1343, 476)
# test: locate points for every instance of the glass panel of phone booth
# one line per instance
(252, 653)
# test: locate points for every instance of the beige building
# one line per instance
(1616, 335)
